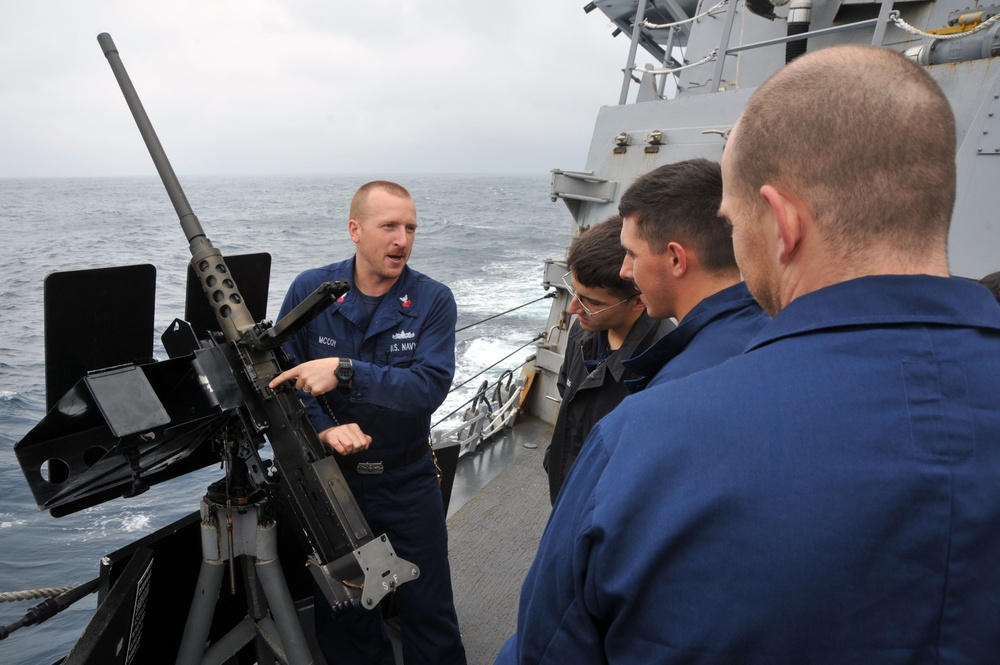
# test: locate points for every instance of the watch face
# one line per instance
(345, 372)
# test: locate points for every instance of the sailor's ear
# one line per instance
(677, 259)
(352, 228)
(787, 212)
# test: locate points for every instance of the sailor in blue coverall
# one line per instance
(752, 537)
(401, 349)
(679, 253)
(831, 495)
(717, 329)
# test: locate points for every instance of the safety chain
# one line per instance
(660, 26)
(903, 25)
(708, 58)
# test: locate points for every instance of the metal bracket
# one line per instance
(580, 186)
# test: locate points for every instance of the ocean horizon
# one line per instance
(484, 235)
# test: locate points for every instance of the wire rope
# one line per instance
(488, 318)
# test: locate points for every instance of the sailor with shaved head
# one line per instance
(832, 494)
(374, 367)
(864, 162)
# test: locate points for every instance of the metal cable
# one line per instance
(547, 295)
(532, 341)
(468, 401)
(460, 407)
(476, 396)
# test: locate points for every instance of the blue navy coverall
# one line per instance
(716, 329)
(404, 362)
(830, 496)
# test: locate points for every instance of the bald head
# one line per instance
(864, 137)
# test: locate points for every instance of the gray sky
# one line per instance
(305, 86)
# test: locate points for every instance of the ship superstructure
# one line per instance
(691, 67)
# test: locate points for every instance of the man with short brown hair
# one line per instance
(610, 326)
(830, 495)
(679, 252)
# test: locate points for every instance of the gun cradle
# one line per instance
(120, 430)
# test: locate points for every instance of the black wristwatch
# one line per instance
(344, 374)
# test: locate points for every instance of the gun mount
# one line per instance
(120, 421)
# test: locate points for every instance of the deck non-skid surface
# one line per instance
(493, 538)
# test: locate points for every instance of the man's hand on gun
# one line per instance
(316, 377)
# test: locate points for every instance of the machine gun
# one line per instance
(119, 430)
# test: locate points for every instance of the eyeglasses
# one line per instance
(574, 294)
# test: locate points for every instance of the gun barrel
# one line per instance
(305, 480)
(209, 265)
(189, 222)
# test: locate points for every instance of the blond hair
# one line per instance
(359, 202)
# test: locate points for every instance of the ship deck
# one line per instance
(500, 504)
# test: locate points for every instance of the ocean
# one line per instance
(486, 237)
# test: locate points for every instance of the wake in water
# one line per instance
(486, 237)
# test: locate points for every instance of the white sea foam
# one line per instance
(484, 236)
(134, 523)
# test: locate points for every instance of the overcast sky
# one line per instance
(305, 86)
